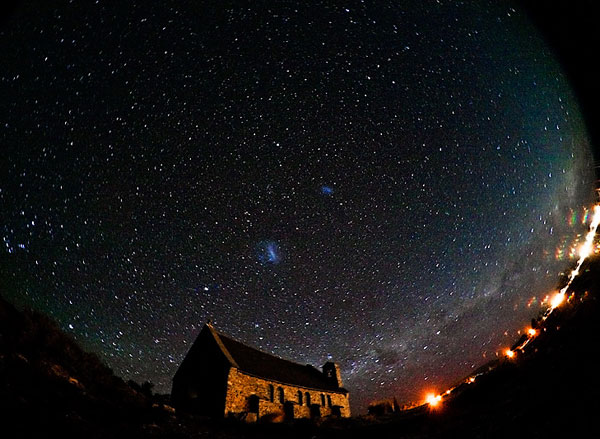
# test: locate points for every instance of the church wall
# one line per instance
(240, 386)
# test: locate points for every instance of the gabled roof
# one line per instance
(270, 367)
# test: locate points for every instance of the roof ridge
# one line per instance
(256, 362)
(220, 334)
(221, 345)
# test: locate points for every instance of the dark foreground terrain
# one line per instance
(50, 386)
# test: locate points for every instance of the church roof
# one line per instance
(270, 367)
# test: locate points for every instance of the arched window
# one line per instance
(271, 393)
(322, 400)
(307, 398)
(281, 397)
(329, 400)
(299, 397)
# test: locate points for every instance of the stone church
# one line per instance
(220, 377)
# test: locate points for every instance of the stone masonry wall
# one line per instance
(241, 386)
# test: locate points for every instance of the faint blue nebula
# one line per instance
(268, 252)
(326, 190)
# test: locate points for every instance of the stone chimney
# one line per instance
(332, 372)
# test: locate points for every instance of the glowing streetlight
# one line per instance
(557, 299)
(433, 400)
(509, 353)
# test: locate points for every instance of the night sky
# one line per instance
(392, 185)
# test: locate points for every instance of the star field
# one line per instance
(392, 185)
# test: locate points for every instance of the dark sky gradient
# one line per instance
(394, 185)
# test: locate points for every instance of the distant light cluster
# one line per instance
(586, 250)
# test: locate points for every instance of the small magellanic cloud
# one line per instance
(326, 190)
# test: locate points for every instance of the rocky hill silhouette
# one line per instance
(49, 384)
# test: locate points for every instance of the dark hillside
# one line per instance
(48, 383)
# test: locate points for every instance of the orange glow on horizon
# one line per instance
(553, 300)
(557, 300)
(433, 400)
(586, 249)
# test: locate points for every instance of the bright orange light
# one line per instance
(586, 249)
(471, 380)
(532, 332)
(433, 400)
(509, 353)
(557, 299)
